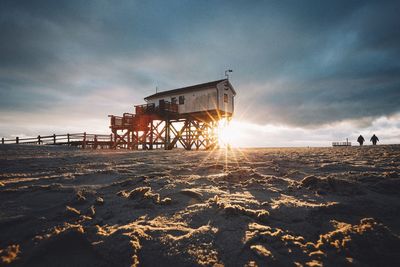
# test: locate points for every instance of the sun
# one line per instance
(226, 133)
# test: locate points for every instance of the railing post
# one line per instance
(54, 139)
(17, 140)
(38, 140)
(68, 140)
(84, 140)
(2, 140)
(95, 141)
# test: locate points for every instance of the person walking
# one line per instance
(360, 140)
(374, 139)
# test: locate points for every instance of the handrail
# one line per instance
(75, 139)
(341, 143)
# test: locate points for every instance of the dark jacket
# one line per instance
(374, 138)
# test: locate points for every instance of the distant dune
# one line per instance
(251, 207)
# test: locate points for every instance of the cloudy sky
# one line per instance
(306, 72)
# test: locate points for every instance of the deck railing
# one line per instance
(84, 140)
(145, 109)
(168, 107)
(162, 108)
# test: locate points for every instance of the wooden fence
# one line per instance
(341, 143)
(83, 140)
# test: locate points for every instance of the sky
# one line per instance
(306, 72)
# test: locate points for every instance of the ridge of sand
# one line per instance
(250, 207)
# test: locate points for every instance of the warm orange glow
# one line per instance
(226, 133)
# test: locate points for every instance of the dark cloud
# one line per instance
(297, 63)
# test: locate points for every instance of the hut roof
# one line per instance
(190, 89)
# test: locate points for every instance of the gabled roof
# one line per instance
(190, 89)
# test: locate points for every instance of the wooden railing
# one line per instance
(145, 109)
(168, 107)
(341, 143)
(83, 140)
(162, 108)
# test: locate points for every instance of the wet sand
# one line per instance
(249, 207)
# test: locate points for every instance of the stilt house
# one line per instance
(187, 115)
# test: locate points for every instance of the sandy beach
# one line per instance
(249, 207)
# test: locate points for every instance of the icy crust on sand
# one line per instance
(251, 207)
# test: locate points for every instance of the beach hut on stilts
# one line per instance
(187, 116)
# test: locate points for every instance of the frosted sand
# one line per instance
(265, 207)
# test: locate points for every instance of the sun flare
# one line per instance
(226, 133)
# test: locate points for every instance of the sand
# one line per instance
(250, 207)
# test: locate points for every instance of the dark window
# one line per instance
(161, 103)
(173, 100)
(181, 100)
(226, 98)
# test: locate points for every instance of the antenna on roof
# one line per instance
(226, 73)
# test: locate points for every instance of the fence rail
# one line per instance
(83, 140)
(341, 143)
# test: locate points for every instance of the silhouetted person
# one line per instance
(374, 139)
(361, 140)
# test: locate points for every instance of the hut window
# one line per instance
(181, 100)
(161, 103)
(226, 98)
(173, 100)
